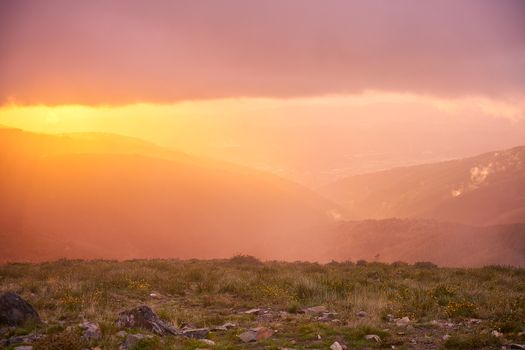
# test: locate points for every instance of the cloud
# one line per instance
(118, 52)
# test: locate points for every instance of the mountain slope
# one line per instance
(443, 243)
(62, 196)
(481, 190)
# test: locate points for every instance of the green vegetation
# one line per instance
(438, 301)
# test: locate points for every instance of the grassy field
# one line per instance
(447, 308)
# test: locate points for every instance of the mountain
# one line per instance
(443, 243)
(105, 196)
(482, 190)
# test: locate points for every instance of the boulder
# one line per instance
(15, 311)
(143, 317)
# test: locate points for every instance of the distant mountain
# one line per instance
(445, 244)
(481, 190)
(105, 196)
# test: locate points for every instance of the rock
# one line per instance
(315, 310)
(248, 336)
(256, 334)
(154, 295)
(19, 339)
(91, 331)
(252, 312)
(133, 339)
(207, 342)
(517, 346)
(143, 317)
(121, 334)
(497, 334)
(224, 327)
(336, 346)
(373, 337)
(196, 333)
(446, 337)
(361, 314)
(24, 347)
(401, 322)
(15, 311)
(327, 316)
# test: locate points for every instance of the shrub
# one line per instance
(67, 340)
(425, 265)
(241, 259)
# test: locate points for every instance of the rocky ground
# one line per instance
(242, 303)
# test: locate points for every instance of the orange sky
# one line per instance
(312, 90)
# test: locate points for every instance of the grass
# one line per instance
(209, 293)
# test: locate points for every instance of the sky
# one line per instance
(308, 89)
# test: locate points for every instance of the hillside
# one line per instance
(443, 243)
(481, 190)
(74, 196)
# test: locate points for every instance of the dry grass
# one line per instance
(208, 293)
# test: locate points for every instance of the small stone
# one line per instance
(497, 334)
(248, 336)
(404, 321)
(224, 327)
(316, 310)
(91, 331)
(256, 334)
(336, 346)
(253, 311)
(361, 314)
(373, 337)
(207, 342)
(121, 334)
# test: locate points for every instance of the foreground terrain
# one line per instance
(299, 305)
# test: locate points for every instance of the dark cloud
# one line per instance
(62, 51)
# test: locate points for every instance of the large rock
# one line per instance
(143, 317)
(15, 311)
